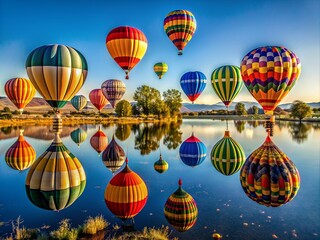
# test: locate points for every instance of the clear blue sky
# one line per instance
(226, 31)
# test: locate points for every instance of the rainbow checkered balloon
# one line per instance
(269, 73)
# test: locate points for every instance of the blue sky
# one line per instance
(226, 31)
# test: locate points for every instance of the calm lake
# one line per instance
(222, 204)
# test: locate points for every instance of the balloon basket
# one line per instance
(128, 225)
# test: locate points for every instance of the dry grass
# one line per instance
(94, 225)
(65, 231)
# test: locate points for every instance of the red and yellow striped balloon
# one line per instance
(99, 141)
(20, 91)
(21, 154)
(98, 99)
(126, 194)
(127, 46)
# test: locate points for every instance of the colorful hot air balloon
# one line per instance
(57, 72)
(181, 210)
(78, 136)
(56, 179)
(113, 90)
(227, 156)
(20, 91)
(160, 69)
(98, 99)
(269, 177)
(227, 83)
(161, 165)
(127, 46)
(113, 156)
(192, 151)
(99, 141)
(193, 83)
(269, 73)
(180, 25)
(126, 194)
(21, 154)
(79, 102)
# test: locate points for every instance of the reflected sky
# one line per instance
(222, 204)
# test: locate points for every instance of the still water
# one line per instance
(222, 204)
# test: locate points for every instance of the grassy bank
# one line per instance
(93, 228)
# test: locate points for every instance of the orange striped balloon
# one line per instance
(126, 194)
(21, 154)
(127, 46)
(20, 91)
(98, 99)
(99, 141)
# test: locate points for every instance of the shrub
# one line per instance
(94, 225)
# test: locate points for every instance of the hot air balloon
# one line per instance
(126, 194)
(21, 154)
(192, 151)
(98, 99)
(269, 73)
(160, 69)
(113, 156)
(78, 136)
(161, 165)
(113, 90)
(193, 83)
(127, 46)
(20, 91)
(227, 156)
(269, 177)
(56, 179)
(99, 141)
(227, 83)
(79, 102)
(181, 210)
(57, 72)
(180, 25)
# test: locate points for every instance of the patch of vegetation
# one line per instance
(93, 225)
(65, 231)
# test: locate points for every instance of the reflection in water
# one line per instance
(126, 194)
(99, 141)
(148, 136)
(192, 151)
(21, 154)
(239, 124)
(161, 165)
(181, 210)
(299, 131)
(269, 177)
(123, 131)
(255, 123)
(227, 155)
(56, 179)
(78, 136)
(113, 156)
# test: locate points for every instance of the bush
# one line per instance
(94, 225)
(65, 231)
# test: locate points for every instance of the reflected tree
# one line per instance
(299, 131)
(239, 124)
(6, 130)
(173, 137)
(123, 131)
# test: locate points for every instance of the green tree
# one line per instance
(173, 100)
(160, 109)
(123, 109)
(6, 109)
(146, 97)
(300, 110)
(240, 109)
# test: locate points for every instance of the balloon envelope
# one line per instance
(180, 25)
(160, 69)
(57, 72)
(113, 156)
(78, 136)
(127, 46)
(193, 83)
(98, 99)
(192, 151)
(269, 73)
(20, 91)
(113, 90)
(99, 141)
(79, 102)
(227, 83)
(161, 165)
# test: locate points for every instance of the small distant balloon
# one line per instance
(160, 69)
(79, 102)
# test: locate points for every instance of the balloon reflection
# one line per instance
(21, 154)
(181, 210)
(78, 136)
(113, 156)
(269, 177)
(56, 179)
(192, 151)
(161, 165)
(299, 131)
(99, 141)
(227, 155)
(126, 194)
